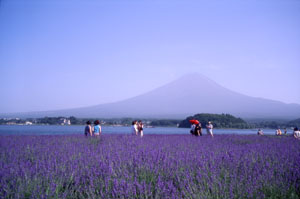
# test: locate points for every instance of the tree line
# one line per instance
(229, 121)
(218, 120)
(82, 121)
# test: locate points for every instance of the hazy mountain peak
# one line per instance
(191, 82)
(195, 77)
(188, 95)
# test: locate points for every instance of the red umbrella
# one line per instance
(194, 121)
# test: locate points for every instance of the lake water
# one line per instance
(68, 130)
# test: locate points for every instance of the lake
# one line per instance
(78, 129)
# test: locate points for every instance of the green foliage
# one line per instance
(50, 120)
(275, 124)
(164, 122)
(294, 123)
(74, 120)
(218, 120)
(11, 121)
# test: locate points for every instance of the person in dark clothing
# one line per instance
(198, 130)
(88, 129)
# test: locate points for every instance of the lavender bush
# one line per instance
(155, 166)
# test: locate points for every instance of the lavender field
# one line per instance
(155, 166)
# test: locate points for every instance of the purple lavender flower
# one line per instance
(157, 166)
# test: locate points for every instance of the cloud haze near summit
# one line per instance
(67, 54)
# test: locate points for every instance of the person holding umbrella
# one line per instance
(193, 126)
(192, 131)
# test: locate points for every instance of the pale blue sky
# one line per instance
(58, 54)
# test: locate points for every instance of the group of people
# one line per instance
(278, 132)
(89, 130)
(196, 129)
(95, 130)
(137, 128)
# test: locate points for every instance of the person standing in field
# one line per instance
(198, 130)
(97, 128)
(209, 128)
(88, 129)
(285, 131)
(278, 131)
(296, 133)
(134, 128)
(192, 131)
(260, 132)
(140, 128)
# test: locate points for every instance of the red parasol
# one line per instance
(194, 121)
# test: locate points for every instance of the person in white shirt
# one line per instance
(192, 131)
(134, 128)
(296, 133)
(209, 128)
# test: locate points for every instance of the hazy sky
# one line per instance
(58, 54)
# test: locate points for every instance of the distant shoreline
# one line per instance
(78, 129)
(144, 126)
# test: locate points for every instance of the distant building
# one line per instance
(11, 123)
(28, 123)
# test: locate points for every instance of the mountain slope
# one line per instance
(188, 95)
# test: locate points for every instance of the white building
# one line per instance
(28, 123)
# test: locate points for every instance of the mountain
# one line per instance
(188, 95)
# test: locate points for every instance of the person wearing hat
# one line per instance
(209, 128)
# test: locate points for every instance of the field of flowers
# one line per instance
(155, 166)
